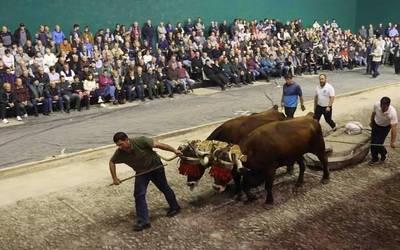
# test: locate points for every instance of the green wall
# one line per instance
(105, 13)
(371, 11)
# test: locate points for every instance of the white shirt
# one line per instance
(323, 94)
(387, 118)
(8, 61)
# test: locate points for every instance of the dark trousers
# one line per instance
(374, 69)
(160, 181)
(397, 65)
(319, 111)
(378, 136)
(289, 111)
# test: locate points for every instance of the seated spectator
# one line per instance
(56, 97)
(8, 59)
(42, 77)
(68, 95)
(240, 70)
(39, 94)
(106, 88)
(53, 75)
(230, 72)
(49, 59)
(6, 37)
(173, 77)
(8, 99)
(150, 81)
(67, 73)
(163, 83)
(78, 88)
(214, 73)
(139, 83)
(184, 79)
(23, 99)
(9, 76)
(197, 66)
(90, 85)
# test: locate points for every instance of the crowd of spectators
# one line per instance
(46, 70)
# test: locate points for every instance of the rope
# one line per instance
(359, 143)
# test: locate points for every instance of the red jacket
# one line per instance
(22, 94)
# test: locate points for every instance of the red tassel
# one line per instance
(189, 169)
(220, 173)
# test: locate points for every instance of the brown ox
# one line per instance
(277, 144)
(233, 131)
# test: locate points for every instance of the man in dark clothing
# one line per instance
(213, 73)
(38, 93)
(173, 76)
(197, 66)
(241, 72)
(139, 84)
(22, 94)
(396, 55)
(77, 87)
(68, 95)
(148, 32)
(150, 81)
(21, 35)
(230, 72)
(55, 94)
(7, 99)
(43, 77)
(138, 153)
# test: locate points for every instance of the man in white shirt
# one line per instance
(383, 120)
(323, 101)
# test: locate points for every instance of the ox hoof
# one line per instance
(299, 184)
(325, 181)
(267, 206)
(251, 199)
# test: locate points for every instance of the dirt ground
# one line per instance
(72, 206)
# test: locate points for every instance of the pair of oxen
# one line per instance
(249, 149)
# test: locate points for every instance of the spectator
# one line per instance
(58, 35)
(6, 37)
(22, 96)
(68, 95)
(184, 79)
(21, 35)
(8, 99)
(8, 59)
(84, 95)
(39, 94)
(106, 88)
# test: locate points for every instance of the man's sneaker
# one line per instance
(173, 212)
(5, 121)
(26, 115)
(100, 100)
(334, 129)
(141, 226)
(372, 162)
(102, 105)
(19, 118)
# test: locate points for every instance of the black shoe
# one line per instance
(162, 96)
(223, 88)
(115, 102)
(173, 212)
(46, 113)
(171, 96)
(383, 158)
(141, 226)
(372, 162)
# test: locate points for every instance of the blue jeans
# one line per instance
(160, 181)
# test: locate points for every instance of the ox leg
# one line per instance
(324, 161)
(300, 180)
(238, 186)
(290, 169)
(247, 185)
(269, 182)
